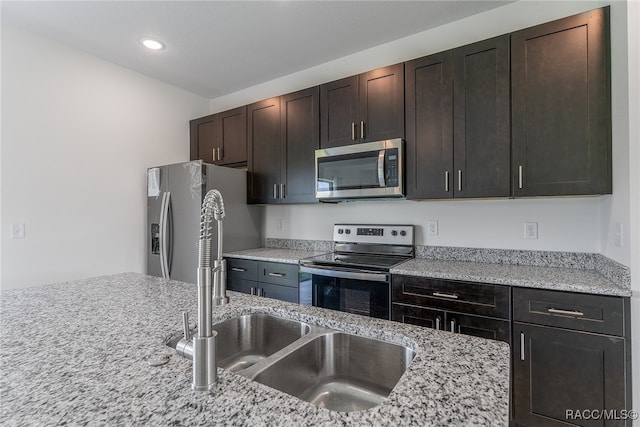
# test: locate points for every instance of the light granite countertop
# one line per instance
(76, 353)
(289, 256)
(552, 278)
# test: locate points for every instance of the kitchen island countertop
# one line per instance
(77, 353)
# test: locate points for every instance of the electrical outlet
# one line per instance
(617, 237)
(17, 231)
(531, 230)
(280, 224)
(432, 228)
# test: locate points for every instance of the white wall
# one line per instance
(77, 136)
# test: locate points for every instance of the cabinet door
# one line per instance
(562, 107)
(381, 104)
(241, 285)
(478, 326)
(420, 316)
(300, 133)
(263, 133)
(339, 112)
(283, 293)
(429, 109)
(203, 138)
(482, 143)
(232, 137)
(555, 371)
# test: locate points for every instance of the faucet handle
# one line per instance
(185, 326)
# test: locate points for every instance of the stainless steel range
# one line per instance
(355, 278)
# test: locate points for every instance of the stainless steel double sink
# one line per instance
(331, 369)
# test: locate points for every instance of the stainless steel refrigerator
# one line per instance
(174, 199)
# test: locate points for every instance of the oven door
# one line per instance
(358, 292)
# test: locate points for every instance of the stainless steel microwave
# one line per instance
(367, 170)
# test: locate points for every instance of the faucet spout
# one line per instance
(204, 343)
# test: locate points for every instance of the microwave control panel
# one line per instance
(391, 167)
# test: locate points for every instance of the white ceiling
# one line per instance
(214, 48)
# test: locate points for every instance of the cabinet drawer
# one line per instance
(464, 297)
(581, 312)
(242, 269)
(278, 273)
(418, 316)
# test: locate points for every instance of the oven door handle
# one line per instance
(342, 274)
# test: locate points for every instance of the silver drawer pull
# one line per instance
(241, 270)
(522, 345)
(276, 274)
(441, 295)
(438, 323)
(565, 312)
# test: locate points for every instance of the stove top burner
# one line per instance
(355, 260)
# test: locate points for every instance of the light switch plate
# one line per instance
(17, 231)
(432, 228)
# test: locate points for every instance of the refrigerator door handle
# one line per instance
(164, 238)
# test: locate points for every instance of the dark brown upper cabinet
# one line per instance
(264, 155)
(429, 143)
(220, 138)
(457, 104)
(363, 108)
(283, 134)
(300, 137)
(561, 107)
(203, 138)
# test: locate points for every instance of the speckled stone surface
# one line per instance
(305, 245)
(559, 279)
(289, 256)
(76, 353)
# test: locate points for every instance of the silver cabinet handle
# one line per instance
(520, 176)
(361, 129)
(453, 325)
(565, 312)
(438, 323)
(446, 181)
(261, 292)
(459, 180)
(441, 295)
(521, 345)
(275, 191)
(213, 153)
(282, 196)
(219, 154)
(241, 270)
(252, 290)
(276, 274)
(353, 131)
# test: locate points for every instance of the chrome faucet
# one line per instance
(202, 348)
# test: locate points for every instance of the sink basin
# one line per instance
(245, 340)
(339, 371)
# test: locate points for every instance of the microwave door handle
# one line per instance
(381, 180)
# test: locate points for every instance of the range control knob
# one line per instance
(340, 231)
(394, 233)
(348, 231)
(403, 233)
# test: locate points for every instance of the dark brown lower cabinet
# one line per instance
(563, 377)
(479, 326)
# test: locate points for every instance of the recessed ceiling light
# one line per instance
(152, 44)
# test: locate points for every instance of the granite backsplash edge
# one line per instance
(612, 270)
